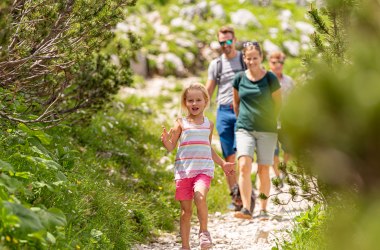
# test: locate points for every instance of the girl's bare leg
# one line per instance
(200, 193)
(185, 219)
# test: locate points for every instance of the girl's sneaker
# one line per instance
(205, 240)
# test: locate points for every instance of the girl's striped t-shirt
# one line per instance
(194, 151)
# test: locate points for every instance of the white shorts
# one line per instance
(263, 142)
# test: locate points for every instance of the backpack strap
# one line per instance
(218, 70)
(243, 65)
(219, 66)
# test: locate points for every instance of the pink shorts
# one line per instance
(185, 187)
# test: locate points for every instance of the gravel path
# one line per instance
(230, 233)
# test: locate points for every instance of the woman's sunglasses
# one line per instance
(246, 44)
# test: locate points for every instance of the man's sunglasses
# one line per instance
(228, 42)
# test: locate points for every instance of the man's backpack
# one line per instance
(219, 67)
(236, 198)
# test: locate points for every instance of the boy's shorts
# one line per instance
(225, 125)
(281, 143)
(185, 187)
(263, 142)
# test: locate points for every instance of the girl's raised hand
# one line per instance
(228, 168)
(165, 137)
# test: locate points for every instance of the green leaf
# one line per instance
(43, 137)
(29, 221)
(8, 220)
(38, 148)
(50, 238)
(61, 176)
(44, 162)
(3, 195)
(11, 184)
(52, 218)
(41, 184)
(25, 175)
(5, 166)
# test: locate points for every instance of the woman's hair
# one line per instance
(248, 46)
(194, 86)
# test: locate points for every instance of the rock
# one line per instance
(269, 46)
(292, 47)
(217, 11)
(244, 18)
(305, 28)
(139, 65)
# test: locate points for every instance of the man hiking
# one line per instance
(221, 73)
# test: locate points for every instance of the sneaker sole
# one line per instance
(206, 246)
(242, 216)
(266, 218)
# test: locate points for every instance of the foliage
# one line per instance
(73, 188)
(30, 173)
(306, 234)
(51, 62)
(303, 185)
(330, 38)
(334, 120)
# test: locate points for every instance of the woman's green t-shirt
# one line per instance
(257, 108)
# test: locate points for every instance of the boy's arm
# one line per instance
(169, 140)
(277, 99)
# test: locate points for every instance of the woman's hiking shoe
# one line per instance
(263, 215)
(205, 240)
(243, 214)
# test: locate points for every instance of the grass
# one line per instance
(132, 194)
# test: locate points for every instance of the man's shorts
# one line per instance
(263, 142)
(225, 125)
(185, 187)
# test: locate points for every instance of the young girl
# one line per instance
(194, 163)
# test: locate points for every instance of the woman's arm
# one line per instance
(169, 140)
(236, 102)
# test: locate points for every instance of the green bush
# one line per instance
(307, 233)
(75, 187)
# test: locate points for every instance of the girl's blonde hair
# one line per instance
(194, 86)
